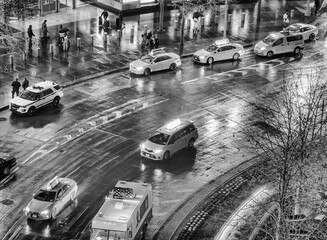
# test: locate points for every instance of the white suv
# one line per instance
(36, 96)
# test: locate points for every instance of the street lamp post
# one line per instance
(161, 16)
(225, 18)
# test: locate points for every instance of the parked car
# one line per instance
(157, 60)
(309, 32)
(218, 51)
(169, 139)
(51, 199)
(278, 43)
(35, 97)
(6, 165)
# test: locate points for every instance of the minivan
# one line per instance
(278, 43)
(169, 139)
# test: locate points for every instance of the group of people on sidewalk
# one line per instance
(16, 86)
(149, 41)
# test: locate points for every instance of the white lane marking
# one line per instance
(171, 201)
(269, 63)
(144, 102)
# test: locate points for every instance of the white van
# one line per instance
(169, 139)
(277, 43)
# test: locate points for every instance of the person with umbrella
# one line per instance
(63, 32)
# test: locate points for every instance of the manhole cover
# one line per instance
(7, 202)
(2, 119)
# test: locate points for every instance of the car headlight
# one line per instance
(45, 212)
(142, 146)
(260, 49)
(139, 68)
(157, 151)
(27, 209)
(201, 57)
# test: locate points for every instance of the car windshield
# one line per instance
(211, 48)
(46, 196)
(28, 95)
(147, 59)
(270, 39)
(159, 138)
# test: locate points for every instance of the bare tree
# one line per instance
(292, 132)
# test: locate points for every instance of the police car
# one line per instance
(35, 97)
(218, 51)
(157, 60)
(169, 139)
(51, 199)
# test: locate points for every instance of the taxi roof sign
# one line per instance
(157, 51)
(173, 124)
(222, 41)
(52, 183)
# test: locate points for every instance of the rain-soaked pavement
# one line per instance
(82, 139)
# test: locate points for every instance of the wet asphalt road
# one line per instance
(79, 141)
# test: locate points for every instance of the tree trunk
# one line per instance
(182, 31)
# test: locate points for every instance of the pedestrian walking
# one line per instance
(44, 29)
(105, 14)
(100, 21)
(25, 84)
(117, 23)
(156, 41)
(151, 43)
(143, 42)
(15, 87)
(196, 26)
(30, 33)
(286, 20)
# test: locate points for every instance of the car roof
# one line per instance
(40, 86)
(55, 184)
(174, 126)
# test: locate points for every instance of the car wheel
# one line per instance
(53, 214)
(55, 101)
(210, 60)
(172, 66)
(147, 71)
(270, 54)
(6, 171)
(166, 155)
(297, 50)
(191, 143)
(72, 196)
(31, 111)
(236, 56)
(312, 37)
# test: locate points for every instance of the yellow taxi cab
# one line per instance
(169, 139)
(156, 60)
(220, 50)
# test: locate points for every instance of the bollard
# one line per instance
(132, 31)
(277, 14)
(202, 21)
(11, 61)
(292, 13)
(229, 19)
(39, 52)
(119, 34)
(216, 20)
(92, 42)
(78, 42)
(145, 30)
(189, 23)
(175, 24)
(243, 17)
(51, 49)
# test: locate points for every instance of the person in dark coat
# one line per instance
(156, 41)
(105, 14)
(117, 23)
(15, 87)
(100, 21)
(25, 84)
(44, 29)
(30, 33)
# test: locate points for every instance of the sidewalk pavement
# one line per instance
(87, 62)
